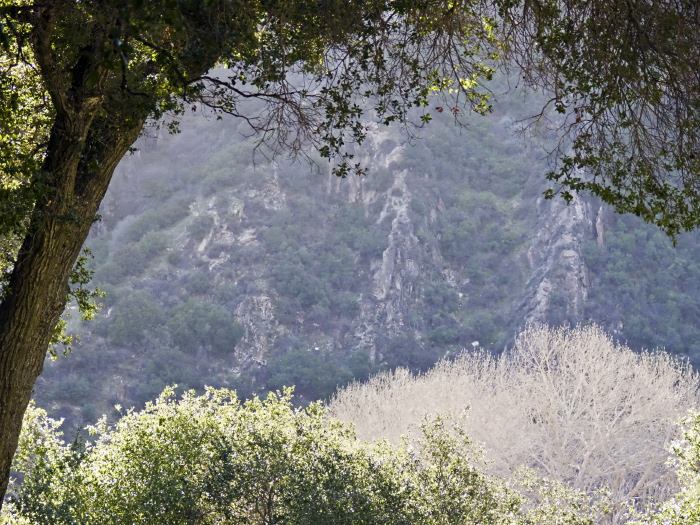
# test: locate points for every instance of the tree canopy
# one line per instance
(80, 79)
(211, 459)
(624, 92)
(532, 406)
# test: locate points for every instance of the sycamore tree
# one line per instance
(569, 403)
(78, 81)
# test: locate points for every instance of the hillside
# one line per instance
(224, 268)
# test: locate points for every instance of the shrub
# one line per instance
(199, 283)
(194, 324)
(292, 279)
(153, 243)
(200, 226)
(160, 218)
(110, 273)
(134, 315)
(405, 350)
(130, 259)
(227, 293)
(174, 211)
(314, 376)
(146, 222)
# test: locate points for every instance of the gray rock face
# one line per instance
(557, 268)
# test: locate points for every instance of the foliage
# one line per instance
(211, 459)
(134, 316)
(684, 507)
(405, 351)
(314, 376)
(25, 115)
(93, 73)
(194, 325)
(200, 227)
(199, 283)
(85, 299)
(627, 119)
(645, 287)
(166, 215)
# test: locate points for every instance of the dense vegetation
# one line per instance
(644, 289)
(538, 410)
(80, 80)
(212, 460)
(88, 76)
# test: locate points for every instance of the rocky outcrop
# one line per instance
(394, 290)
(559, 282)
(256, 314)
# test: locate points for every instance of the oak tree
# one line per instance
(624, 92)
(210, 459)
(78, 81)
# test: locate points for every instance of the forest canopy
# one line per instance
(210, 458)
(79, 80)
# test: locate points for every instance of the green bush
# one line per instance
(211, 459)
(314, 376)
(442, 336)
(134, 316)
(345, 304)
(195, 324)
(153, 243)
(160, 218)
(294, 280)
(158, 189)
(174, 211)
(131, 259)
(72, 388)
(227, 293)
(200, 283)
(146, 222)
(174, 257)
(200, 226)
(404, 350)
(110, 273)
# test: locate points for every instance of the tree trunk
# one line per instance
(82, 154)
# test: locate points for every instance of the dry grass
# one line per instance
(570, 403)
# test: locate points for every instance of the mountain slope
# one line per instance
(224, 268)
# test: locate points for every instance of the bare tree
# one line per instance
(571, 404)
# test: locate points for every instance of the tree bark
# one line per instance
(95, 123)
(77, 177)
